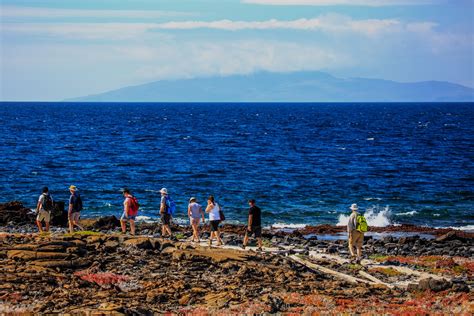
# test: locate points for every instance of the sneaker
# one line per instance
(242, 246)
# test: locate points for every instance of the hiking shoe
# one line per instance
(259, 249)
(242, 246)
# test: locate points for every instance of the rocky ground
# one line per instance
(102, 271)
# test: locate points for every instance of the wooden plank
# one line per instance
(339, 275)
(374, 279)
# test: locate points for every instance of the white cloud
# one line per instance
(371, 3)
(331, 23)
(34, 12)
(326, 23)
(194, 59)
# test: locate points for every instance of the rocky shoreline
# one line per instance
(102, 271)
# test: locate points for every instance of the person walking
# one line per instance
(165, 214)
(43, 210)
(254, 225)
(130, 212)
(356, 237)
(195, 214)
(213, 209)
(74, 210)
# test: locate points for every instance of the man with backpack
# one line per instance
(356, 227)
(43, 208)
(166, 211)
(74, 210)
(130, 211)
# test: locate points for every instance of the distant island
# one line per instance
(285, 87)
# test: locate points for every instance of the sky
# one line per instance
(59, 49)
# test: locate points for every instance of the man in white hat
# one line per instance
(74, 210)
(356, 238)
(164, 214)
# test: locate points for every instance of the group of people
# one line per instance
(45, 206)
(356, 226)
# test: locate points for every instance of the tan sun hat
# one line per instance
(354, 207)
(73, 188)
(164, 191)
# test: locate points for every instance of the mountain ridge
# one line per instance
(305, 86)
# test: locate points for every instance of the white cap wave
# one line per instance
(376, 216)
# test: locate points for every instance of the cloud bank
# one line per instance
(370, 3)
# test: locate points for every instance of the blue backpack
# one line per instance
(170, 205)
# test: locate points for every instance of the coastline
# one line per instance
(298, 271)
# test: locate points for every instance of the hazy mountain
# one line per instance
(279, 87)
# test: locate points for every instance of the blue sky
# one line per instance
(52, 50)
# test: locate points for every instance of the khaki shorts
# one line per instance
(194, 221)
(43, 215)
(356, 239)
(75, 217)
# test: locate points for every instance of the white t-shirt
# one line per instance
(214, 213)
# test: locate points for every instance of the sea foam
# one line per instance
(375, 216)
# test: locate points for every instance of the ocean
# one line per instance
(303, 163)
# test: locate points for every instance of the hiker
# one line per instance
(195, 213)
(214, 219)
(165, 213)
(74, 210)
(130, 211)
(254, 225)
(356, 236)
(43, 209)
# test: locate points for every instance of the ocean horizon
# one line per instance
(304, 163)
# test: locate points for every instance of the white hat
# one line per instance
(164, 191)
(354, 207)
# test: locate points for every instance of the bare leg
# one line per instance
(71, 227)
(259, 242)
(132, 227)
(168, 229)
(246, 240)
(124, 225)
(218, 235)
(47, 226)
(40, 227)
(195, 233)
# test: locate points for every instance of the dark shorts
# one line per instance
(255, 230)
(214, 225)
(165, 219)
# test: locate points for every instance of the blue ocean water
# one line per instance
(303, 163)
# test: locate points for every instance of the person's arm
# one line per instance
(69, 212)
(127, 207)
(38, 206)
(202, 214)
(250, 221)
(162, 206)
(209, 207)
(189, 210)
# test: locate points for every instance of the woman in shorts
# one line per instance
(214, 219)
(195, 214)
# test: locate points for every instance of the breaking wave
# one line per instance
(375, 216)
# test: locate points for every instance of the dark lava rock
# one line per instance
(452, 235)
(435, 285)
(14, 212)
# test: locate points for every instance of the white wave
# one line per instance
(285, 225)
(375, 216)
(437, 214)
(372, 199)
(108, 205)
(154, 191)
(468, 228)
(407, 213)
(142, 218)
(370, 138)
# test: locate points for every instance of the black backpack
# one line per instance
(47, 203)
(77, 206)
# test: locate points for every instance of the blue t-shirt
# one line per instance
(73, 200)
